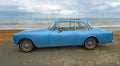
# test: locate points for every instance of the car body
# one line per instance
(64, 33)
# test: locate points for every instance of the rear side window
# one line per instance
(80, 26)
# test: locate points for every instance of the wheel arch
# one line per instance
(27, 39)
(92, 37)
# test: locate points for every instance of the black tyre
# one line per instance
(26, 45)
(90, 44)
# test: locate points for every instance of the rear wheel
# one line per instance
(90, 44)
(26, 45)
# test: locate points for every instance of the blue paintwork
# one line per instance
(46, 37)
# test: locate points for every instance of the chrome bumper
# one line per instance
(15, 45)
(113, 41)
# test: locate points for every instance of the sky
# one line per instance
(59, 8)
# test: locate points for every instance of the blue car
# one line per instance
(62, 33)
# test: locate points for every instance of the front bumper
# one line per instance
(113, 41)
(15, 45)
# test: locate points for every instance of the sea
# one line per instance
(29, 23)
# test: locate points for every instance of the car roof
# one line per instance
(73, 20)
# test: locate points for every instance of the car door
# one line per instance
(81, 30)
(62, 35)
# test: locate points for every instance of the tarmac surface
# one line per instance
(103, 55)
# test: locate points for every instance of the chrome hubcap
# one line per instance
(90, 43)
(26, 46)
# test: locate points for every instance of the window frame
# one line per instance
(56, 28)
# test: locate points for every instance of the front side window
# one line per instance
(65, 26)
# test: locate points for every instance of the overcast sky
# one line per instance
(59, 8)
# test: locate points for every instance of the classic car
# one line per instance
(62, 33)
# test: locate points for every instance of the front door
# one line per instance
(62, 35)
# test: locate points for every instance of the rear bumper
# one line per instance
(109, 42)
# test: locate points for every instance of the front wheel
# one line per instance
(26, 45)
(90, 44)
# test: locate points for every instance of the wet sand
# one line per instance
(103, 55)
